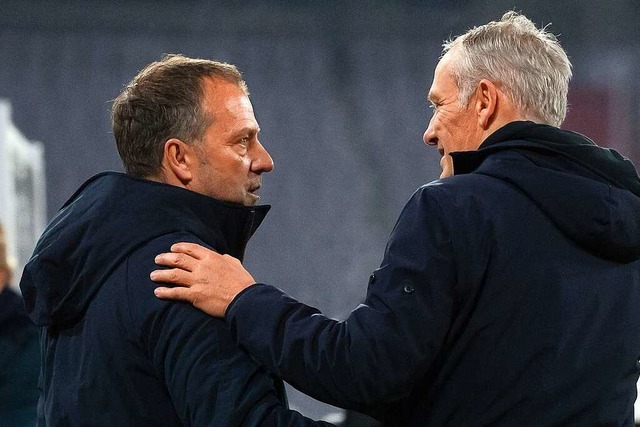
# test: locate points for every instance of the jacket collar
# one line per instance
(107, 219)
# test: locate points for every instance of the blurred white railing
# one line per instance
(22, 191)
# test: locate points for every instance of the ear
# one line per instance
(178, 158)
(486, 103)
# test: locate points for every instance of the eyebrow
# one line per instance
(435, 98)
(247, 130)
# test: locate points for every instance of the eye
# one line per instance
(244, 141)
(435, 106)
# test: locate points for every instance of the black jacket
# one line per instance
(508, 296)
(114, 354)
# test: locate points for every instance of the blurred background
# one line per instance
(338, 88)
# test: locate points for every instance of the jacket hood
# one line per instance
(109, 217)
(592, 194)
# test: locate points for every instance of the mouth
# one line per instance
(253, 190)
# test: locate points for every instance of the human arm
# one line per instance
(384, 347)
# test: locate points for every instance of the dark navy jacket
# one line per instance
(114, 354)
(509, 295)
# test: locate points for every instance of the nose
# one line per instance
(262, 161)
(429, 136)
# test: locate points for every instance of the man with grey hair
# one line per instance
(113, 354)
(509, 290)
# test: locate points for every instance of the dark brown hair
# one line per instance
(164, 101)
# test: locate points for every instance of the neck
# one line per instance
(503, 116)
(165, 176)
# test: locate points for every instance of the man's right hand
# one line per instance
(204, 278)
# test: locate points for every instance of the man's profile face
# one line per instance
(453, 126)
(230, 159)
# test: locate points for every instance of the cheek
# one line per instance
(234, 161)
(238, 170)
(244, 166)
(445, 126)
(458, 126)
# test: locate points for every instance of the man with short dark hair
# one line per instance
(114, 355)
(509, 290)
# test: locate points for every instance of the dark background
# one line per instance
(339, 91)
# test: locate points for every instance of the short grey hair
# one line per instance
(526, 63)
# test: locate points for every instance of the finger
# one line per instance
(173, 275)
(181, 294)
(192, 249)
(176, 260)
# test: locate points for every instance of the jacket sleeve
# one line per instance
(386, 345)
(211, 382)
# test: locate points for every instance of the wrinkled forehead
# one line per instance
(221, 95)
(447, 60)
(442, 76)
